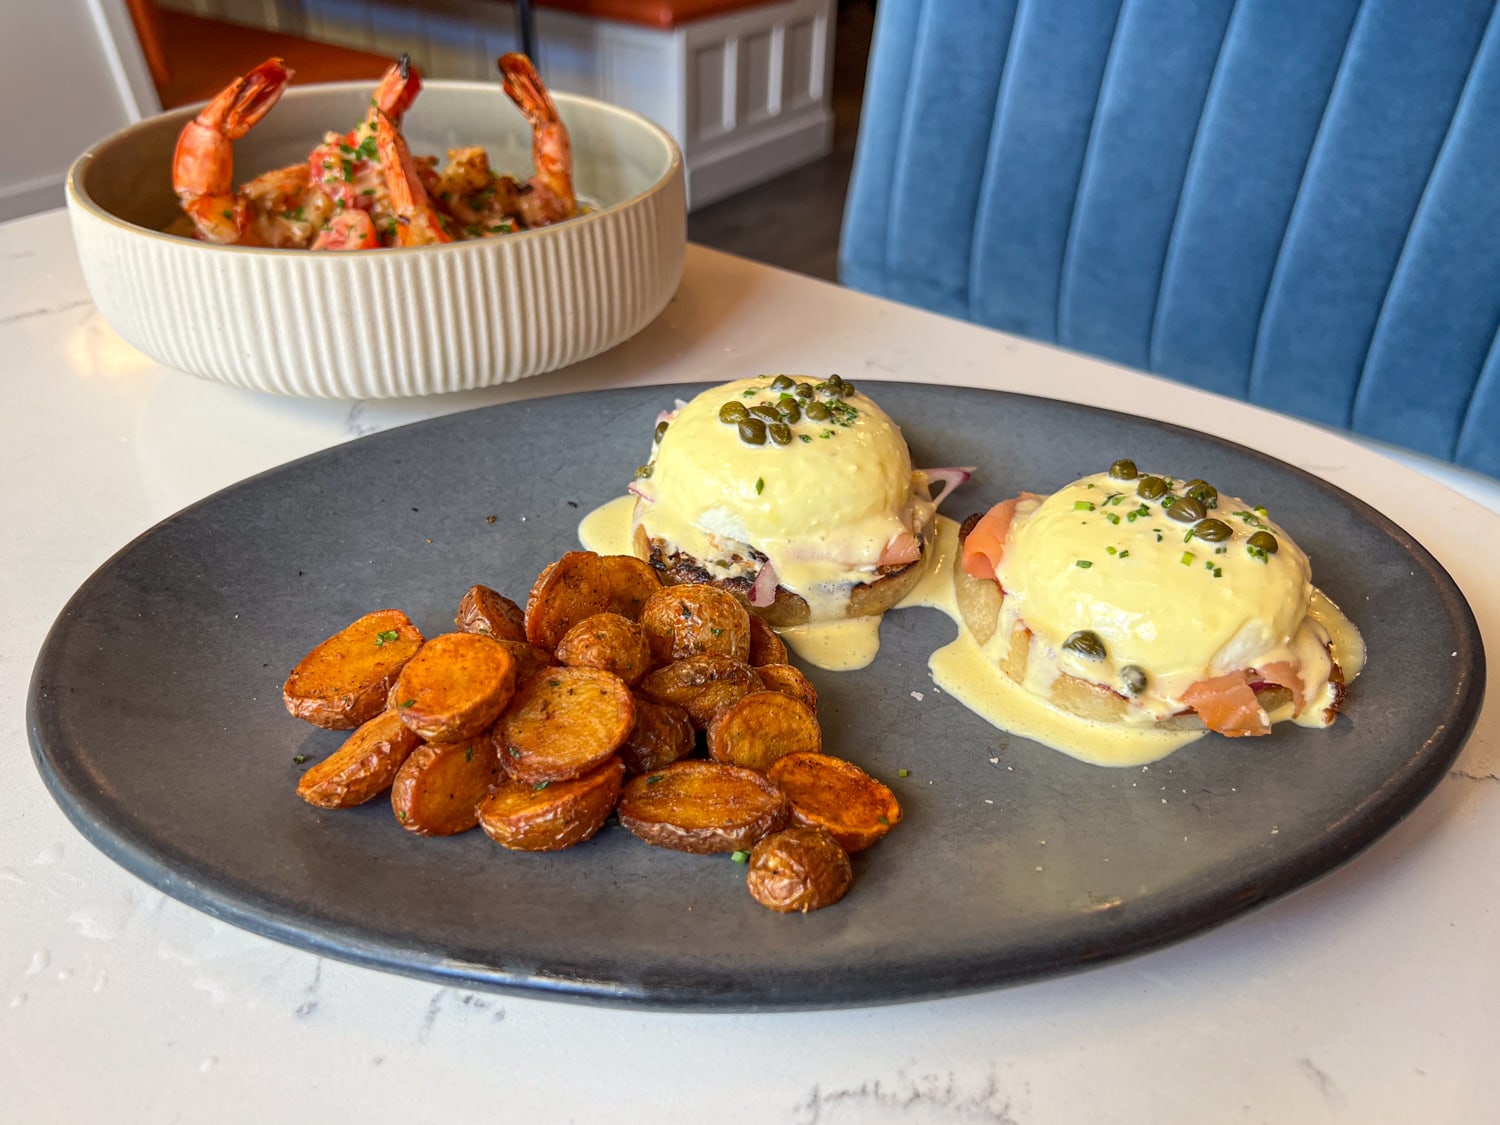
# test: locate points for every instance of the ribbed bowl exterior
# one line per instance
(388, 323)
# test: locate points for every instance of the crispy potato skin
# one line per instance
(696, 620)
(789, 680)
(343, 681)
(483, 610)
(701, 685)
(766, 647)
(608, 642)
(549, 816)
(363, 767)
(564, 722)
(530, 659)
(757, 729)
(574, 587)
(438, 789)
(632, 581)
(455, 687)
(837, 796)
(798, 869)
(662, 734)
(702, 807)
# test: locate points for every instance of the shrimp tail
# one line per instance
(398, 88)
(418, 222)
(203, 162)
(549, 196)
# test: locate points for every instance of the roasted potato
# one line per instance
(789, 680)
(683, 621)
(609, 642)
(631, 583)
(344, 680)
(482, 610)
(662, 734)
(798, 869)
(438, 789)
(564, 722)
(701, 685)
(547, 816)
(766, 647)
(574, 587)
(530, 659)
(837, 796)
(455, 687)
(363, 767)
(702, 807)
(757, 729)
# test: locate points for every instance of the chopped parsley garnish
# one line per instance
(386, 637)
(299, 758)
(540, 785)
(469, 754)
(903, 773)
(760, 485)
(740, 857)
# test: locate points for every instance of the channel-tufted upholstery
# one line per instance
(1295, 202)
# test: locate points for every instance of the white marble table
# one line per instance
(1369, 996)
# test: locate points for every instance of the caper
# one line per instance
(1263, 541)
(1150, 488)
(790, 410)
(817, 411)
(783, 383)
(804, 391)
(1185, 509)
(733, 412)
(1085, 644)
(780, 433)
(661, 429)
(1124, 469)
(846, 389)
(753, 431)
(1214, 531)
(1133, 679)
(765, 412)
(1202, 490)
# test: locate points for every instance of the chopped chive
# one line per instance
(1082, 506)
(740, 857)
(760, 485)
(1083, 564)
(903, 773)
(1187, 558)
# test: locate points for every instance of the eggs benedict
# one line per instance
(797, 493)
(1144, 600)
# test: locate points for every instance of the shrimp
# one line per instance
(548, 196)
(418, 222)
(203, 162)
(346, 165)
(482, 202)
(348, 230)
(282, 209)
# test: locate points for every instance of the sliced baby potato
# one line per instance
(662, 734)
(696, 620)
(455, 687)
(609, 642)
(757, 729)
(483, 610)
(631, 582)
(701, 685)
(766, 645)
(438, 789)
(798, 869)
(530, 659)
(564, 722)
(789, 680)
(343, 681)
(574, 587)
(363, 767)
(837, 796)
(702, 807)
(547, 816)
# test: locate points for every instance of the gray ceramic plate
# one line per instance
(156, 720)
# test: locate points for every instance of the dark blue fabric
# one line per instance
(1292, 202)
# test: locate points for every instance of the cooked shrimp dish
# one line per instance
(364, 189)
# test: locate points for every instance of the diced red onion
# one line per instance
(763, 593)
(635, 487)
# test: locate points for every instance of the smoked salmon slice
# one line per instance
(1227, 704)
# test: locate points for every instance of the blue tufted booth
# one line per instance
(1295, 202)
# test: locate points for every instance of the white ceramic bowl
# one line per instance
(392, 322)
